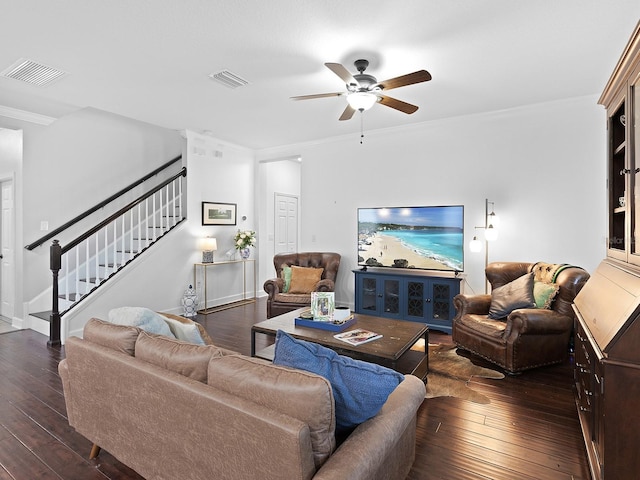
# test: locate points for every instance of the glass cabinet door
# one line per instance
(633, 129)
(391, 296)
(415, 298)
(441, 295)
(369, 294)
(618, 178)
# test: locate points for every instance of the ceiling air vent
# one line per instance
(33, 72)
(228, 79)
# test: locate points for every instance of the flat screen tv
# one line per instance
(427, 238)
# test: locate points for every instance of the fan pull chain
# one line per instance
(361, 126)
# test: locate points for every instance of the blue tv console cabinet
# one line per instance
(407, 295)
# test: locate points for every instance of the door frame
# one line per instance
(8, 295)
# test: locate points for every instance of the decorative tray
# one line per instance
(331, 326)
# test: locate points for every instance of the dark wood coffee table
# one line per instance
(398, 336)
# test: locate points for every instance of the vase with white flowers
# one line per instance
(243, 240)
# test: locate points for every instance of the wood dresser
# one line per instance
(607, 371)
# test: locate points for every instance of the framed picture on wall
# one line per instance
(218, 213)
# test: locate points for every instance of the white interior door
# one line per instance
(286, 227)
(7, 273)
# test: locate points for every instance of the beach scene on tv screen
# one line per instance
(430, 238)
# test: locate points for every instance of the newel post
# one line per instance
(55, 262)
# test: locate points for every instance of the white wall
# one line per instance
(220, 172)
(86, 156)
(216, 172)
(74, 164)
(543, 166)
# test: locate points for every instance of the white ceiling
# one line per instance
(150, 59)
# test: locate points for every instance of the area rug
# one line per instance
(449, 374)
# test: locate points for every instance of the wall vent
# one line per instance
(228, 79)
(32, 72)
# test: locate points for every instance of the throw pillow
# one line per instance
(295, 393)
(140, 317)
(187, 332)
(304, 279)
(286, 276)
(201, 330)
(360, 388)
(509, 297)
(544, 293)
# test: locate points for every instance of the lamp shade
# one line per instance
(209, 244)
(475, 245)
(491, 233)
(361, 100)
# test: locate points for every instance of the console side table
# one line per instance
(245, 300)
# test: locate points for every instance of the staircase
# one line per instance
(84, 264)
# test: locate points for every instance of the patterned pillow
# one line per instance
(544, 293)
(360, 388)
(286, 276)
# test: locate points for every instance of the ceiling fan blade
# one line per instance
(317, 95)
(342, 72)
(408, 79)
(348, 113)
(397, 104)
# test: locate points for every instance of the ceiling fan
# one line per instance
(364, 90)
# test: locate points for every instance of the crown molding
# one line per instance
(26, 116)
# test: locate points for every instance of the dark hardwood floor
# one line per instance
(529, 430)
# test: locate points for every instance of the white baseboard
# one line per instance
(37, 324)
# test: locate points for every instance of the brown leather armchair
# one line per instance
(527, 337)
(279, 302)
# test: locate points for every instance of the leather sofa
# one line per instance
(527, 337)
(279, 301)
(170, 409)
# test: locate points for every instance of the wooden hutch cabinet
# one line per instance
(607, 341)
(621, 98)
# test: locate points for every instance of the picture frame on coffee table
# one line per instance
(322, 306)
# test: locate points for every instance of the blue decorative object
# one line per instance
(359, 388)
(190, 302)
(245, 253)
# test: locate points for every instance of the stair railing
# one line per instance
(95, 256)
(85, 263)
(100, 205)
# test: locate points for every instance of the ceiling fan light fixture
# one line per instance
(361, 100)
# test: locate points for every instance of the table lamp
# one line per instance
(209, 245)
